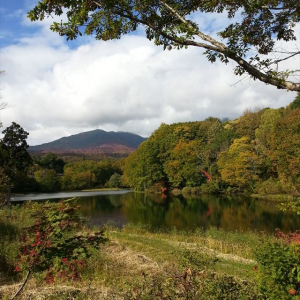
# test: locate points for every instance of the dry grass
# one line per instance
(133, 253)
(208, 251)
(133, 262)
(120, 264)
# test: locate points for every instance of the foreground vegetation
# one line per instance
(138, 263)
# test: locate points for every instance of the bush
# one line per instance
(279, 267)
(115, 181)
(48, 180)
(52, 242)
(186, 191)
(176, 192)
(156, 188)
(210, 188)
(270, 187)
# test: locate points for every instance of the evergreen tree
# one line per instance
(14, 158)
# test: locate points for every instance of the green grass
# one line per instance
(102, 189)
(213, 250)
(279, 197)
(139, 258)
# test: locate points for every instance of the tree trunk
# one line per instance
(8, 194)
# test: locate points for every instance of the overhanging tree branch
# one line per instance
(201, 35)
(279, 83)
(175, 39)
(260, 23)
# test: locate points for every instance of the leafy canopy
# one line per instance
(14, 158)
(249, 40)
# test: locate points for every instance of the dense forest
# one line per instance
(50, 173)
(258, 152)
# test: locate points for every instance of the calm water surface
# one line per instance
(231, 213)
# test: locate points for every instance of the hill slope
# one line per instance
(95, 141)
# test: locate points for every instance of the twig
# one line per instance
(22, 286)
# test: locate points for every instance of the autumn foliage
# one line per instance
(258, 152)
(54, 244)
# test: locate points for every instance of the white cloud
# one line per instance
(122, 85)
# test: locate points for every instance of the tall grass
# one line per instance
(12, 220)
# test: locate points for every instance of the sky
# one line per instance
(56, 88)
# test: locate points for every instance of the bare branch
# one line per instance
(23, 285)
(280, 60)
(241, 80)
(3, 105)
(280, 84)
(200, 34)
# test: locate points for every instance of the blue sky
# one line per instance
(56, 88)
(15, 26)
(9, 22)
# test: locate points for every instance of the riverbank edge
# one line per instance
(180, 192)
(279, 197)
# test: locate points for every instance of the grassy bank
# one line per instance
(138, 263)
(278, 197)
(102, 189)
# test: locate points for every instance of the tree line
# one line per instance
(258, 152)
(19, 172)
(50, 173)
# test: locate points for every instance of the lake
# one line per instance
(230, 213)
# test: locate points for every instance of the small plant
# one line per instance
(55, 245)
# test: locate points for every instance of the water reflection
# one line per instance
(203, 211)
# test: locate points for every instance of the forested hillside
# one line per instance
(258, 152)
(92, 143)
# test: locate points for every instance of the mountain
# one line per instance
(93, 142)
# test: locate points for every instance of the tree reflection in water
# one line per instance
(232, 213)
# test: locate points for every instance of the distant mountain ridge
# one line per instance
(95, 141)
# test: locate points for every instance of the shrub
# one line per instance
(156, 188)
(293, 205)
(279, 267)
(114, 181)
(186, 191)
(210, 188)
(55, 245)
(176, 192)
(270, 187)
(48, 180)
